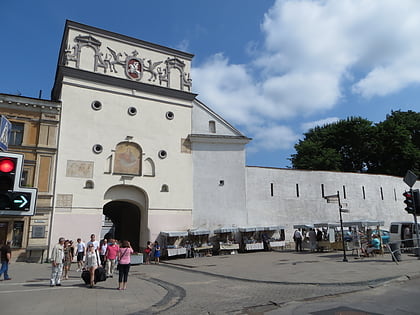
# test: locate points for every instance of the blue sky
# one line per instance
(271, 68)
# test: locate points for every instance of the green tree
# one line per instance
(340, 146)
(398, 144)
(356, 145)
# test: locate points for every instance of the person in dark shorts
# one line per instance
(81, 250)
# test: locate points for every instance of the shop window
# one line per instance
(17, 234)
(16, 134)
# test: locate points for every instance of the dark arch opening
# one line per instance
(125, 219)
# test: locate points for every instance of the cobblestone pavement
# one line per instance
(235, 284)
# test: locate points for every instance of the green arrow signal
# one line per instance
(23, 201)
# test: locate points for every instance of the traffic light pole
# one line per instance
(416, 227)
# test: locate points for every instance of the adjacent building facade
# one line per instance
(35, 125)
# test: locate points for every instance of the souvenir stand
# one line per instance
(273, 237)
(304, 229)
(329, 231)
(227, 240)
(199, 239)
(171, 243)
(360, 233)
(251, 238)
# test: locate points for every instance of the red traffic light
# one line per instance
(7, 165)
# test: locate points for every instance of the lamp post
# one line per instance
(334, 199)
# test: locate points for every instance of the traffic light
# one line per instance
(14, 200)
(409, 201)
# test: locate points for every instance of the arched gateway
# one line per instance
(126, 215)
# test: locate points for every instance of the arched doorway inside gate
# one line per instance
(125, 218)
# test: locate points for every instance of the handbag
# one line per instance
(118, 266)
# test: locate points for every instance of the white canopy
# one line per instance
(326, 224)
(251, 228)
(174, 233)
(226, 229)
(303, 226)
(274, 228)
(198, 232)
(363, 223)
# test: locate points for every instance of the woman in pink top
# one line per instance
(124, 259)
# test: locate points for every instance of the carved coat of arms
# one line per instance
(134, 68)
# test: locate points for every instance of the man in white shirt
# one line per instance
(81, 251)
(93, 241)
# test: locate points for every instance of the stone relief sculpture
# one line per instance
(133, 65)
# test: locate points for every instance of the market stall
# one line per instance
(304, 229)
(359, 233)
(226, 237)
(329, 231)
(251, 238)
(200, 244)
(273, 237)
(171, 243)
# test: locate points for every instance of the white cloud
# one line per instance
(311, 51)
(322, 122)
(271, 138)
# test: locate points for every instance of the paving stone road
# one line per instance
(235, 284)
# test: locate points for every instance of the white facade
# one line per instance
(287, 197)
(138, 147)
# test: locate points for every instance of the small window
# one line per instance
(96, 105)
(97, 148)
(89, 184)
(164, 188)
(382, 194)
(170, 115)
(322, 191)
(162, 154)
(212, 126)
(221, 182)
(272, 189)
(16, 134)
(132, 111)
(297, 190)
(363, 192)
(344, 192)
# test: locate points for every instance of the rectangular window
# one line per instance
(363, 192)
(395, 195)
(272, 189)
(382, 194)
(322, 191)
(17, 234)
(297, 190)
(344, 192)
(212, 126)
(16, 135)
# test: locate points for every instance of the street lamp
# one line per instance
(336, 199)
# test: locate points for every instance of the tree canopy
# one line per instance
(357, 145)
